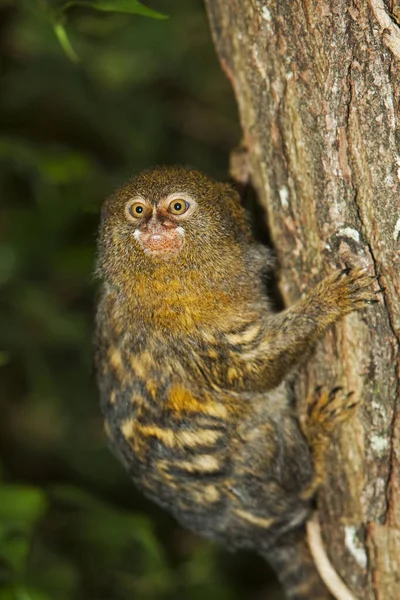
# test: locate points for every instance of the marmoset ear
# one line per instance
(230, 191)
(233, 201)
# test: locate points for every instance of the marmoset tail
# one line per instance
(193, 364)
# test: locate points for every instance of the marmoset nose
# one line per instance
(167, 224)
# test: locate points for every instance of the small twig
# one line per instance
(324, 567)
(391, 31)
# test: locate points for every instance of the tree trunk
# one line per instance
(317, 84)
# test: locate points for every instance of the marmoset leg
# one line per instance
(326, 410)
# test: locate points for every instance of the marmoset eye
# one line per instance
(135, 209)
(178, 206)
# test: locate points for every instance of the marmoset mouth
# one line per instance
(160, 244)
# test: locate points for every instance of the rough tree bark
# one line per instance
(317, 84)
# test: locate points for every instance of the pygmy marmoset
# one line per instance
(193, 368)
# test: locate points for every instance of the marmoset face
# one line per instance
(159, 229)
(170, 217)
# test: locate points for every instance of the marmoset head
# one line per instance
(171, 214)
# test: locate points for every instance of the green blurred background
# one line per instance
(145, 91)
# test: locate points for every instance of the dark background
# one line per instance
(146, 91)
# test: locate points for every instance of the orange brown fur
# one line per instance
(193, 369)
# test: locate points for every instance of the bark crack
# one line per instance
(393, 422)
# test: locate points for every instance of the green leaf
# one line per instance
(20, 508)
(125, 6)
(19, 592)
(122, 6)
(61, 33)
(14, 549)
(21, 503)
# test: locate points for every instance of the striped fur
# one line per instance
(193, 368)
